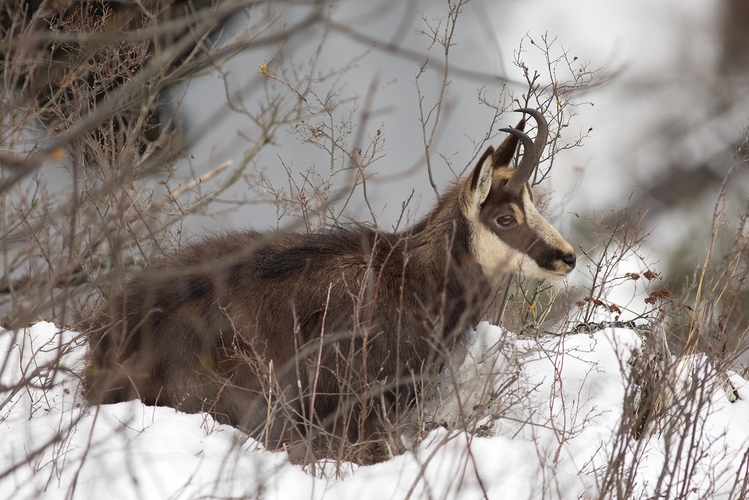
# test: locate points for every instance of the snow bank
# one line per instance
(546, 427)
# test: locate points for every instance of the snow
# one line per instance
(553, 406)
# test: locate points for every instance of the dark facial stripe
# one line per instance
(521, 237)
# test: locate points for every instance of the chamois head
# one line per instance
(507, 232)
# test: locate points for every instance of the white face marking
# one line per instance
(497, 257)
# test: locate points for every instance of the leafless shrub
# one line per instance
(93, 158)
(694, 342)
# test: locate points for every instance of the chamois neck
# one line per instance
(443, 232)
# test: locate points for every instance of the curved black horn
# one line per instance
(532, 150)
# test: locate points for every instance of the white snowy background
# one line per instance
(556, 444)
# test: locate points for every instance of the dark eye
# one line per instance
(505, 220)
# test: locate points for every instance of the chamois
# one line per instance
(288, 335)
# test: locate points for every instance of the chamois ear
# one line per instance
(480, 183)
(506, 151)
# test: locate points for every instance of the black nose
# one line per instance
(570, 260)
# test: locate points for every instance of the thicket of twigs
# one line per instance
(96, 182)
